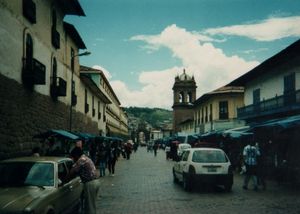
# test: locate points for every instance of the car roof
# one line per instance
(36, 159)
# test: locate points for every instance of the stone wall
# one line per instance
(24, 114)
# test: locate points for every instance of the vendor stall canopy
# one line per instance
(58, 133)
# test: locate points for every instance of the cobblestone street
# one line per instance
(144, 184)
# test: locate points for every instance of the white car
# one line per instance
(203, 166)
(182, 147)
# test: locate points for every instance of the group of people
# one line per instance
(107, 156)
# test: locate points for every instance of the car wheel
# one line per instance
(187, 184)
(175, 179)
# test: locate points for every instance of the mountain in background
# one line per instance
(156, 117)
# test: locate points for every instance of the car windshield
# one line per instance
(209, 156)
(18, 174)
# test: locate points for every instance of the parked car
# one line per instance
(182, 147)
(39, 185)
(203, 166)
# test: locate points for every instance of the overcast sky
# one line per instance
(142, 45)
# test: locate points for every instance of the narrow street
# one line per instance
(144, 184)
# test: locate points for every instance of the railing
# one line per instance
(279, 104)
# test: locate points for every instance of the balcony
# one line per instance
(29, 11)
(283, 104)
(59, 87)
(55, 38)
(34, 72)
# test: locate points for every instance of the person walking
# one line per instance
(112, 157)
(85, 168)
(102, 158)
(261, 167)
(167, 150)
(250, 154)
(155, 148)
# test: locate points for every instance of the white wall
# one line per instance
(270, 85)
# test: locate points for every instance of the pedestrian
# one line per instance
(167, 150)
(128, 149)
(92, 149)
(250, 154)
(102, 158)
(112, 157)
(79, 144)
(86, 169)
(261, 167)
(155, 148)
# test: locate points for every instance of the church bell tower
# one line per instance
(184, 91)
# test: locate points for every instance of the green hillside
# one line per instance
(154, 116)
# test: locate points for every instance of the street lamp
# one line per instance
(72, 84)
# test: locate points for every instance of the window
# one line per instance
(74, 96)
(53, 79)
(93, 107)
(256, 96)
(29, 50)
(72, 59)
(29, 11)
(256, 99)
(209, 157)
(210, 112)
(62, 173)
(223, 110)
(86, 105)
(181, 97)
(54, 33)
(289, 89)
(185, 155)
(99, 113)
(189, 97)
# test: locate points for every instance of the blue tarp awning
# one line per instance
(59, 133)
(238, 132)
(84, 136)
(284, 123)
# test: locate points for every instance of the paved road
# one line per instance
(144, 184)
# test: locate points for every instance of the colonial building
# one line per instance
(272, 108)
(111, 112)
(217, 110)
(184, 91)
(272, 89)
(40, 83)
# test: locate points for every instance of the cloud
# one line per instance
(208, 64)
(267, 30)
(156, 92)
